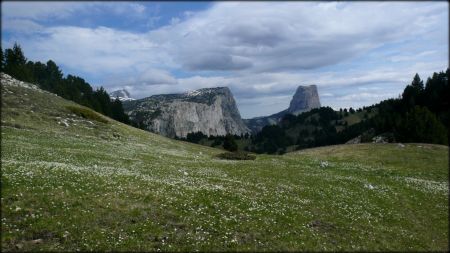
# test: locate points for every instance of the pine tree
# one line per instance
(412, 95)
(417, 82)
(118, 113)
(15, 64)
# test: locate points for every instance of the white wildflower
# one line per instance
(324, 164)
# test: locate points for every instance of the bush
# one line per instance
(86, 113)
(236, 156)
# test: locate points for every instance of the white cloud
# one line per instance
(148, 77)
(412, 57)
(290, 36)
(100, 51)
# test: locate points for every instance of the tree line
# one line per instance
(49, 77)
(422, 114)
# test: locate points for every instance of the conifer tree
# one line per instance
(15, 64)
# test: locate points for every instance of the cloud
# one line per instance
(216, 61)
(149, 77)
(272, 37)
(101, 51)
(246, 37)
(411, 57)
(156, 76)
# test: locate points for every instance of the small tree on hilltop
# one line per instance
(412, 93)
(15, 64)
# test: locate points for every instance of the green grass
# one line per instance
(91, 186)
(87, 113)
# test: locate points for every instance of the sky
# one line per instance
(357, 53)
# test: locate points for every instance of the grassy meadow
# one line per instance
(71, 182)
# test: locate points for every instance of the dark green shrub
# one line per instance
(236, 156)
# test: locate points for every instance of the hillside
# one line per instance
(91, 183)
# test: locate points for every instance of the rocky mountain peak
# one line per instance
(122, 95)
(304, 99)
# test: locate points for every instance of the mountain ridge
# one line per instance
(212, 111)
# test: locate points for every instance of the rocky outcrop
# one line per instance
(212, 111)
(355, 140)
(304, 99)
(122, 95)
(7, 80)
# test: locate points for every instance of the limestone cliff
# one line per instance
(212, 111)
(304, 99)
